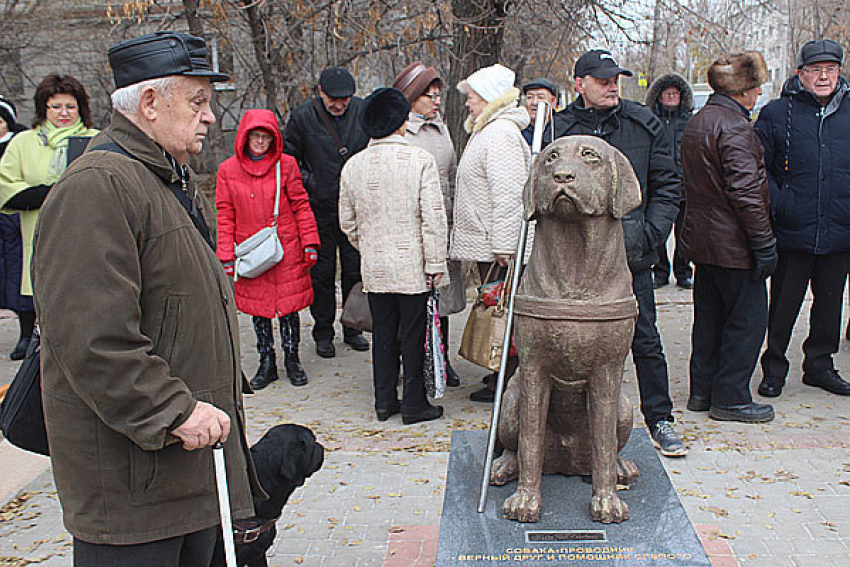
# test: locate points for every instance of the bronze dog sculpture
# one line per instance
(575, 316)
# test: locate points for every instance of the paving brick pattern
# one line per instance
(770, 495)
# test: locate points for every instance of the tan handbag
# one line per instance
(484, 333)
(356, 313)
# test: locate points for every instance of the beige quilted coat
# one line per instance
(490, 179)
(391, 209)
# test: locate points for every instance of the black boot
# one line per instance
(20, 350)
(26, 321)
(266, 373)
(290, 338)
(452, 378)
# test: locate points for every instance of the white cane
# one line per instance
(224, 504)
(536, 144)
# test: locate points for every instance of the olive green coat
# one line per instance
(138, 324)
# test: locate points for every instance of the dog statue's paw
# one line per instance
(627, 471)
(606, 507)
(523, 506)
(505, 469)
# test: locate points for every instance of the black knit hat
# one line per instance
(385, 111)
(336, 82)
(8, 113)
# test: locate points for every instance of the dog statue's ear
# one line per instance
(625, 193)
(530, 207)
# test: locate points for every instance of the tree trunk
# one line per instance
(478, 34)
(259, 40)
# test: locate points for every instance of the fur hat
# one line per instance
(415, 80)
(735, 73)
(8, 113)
(489, 83)
(385, 111)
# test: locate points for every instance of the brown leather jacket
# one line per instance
(726, 191)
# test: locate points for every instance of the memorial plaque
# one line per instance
(659, 533)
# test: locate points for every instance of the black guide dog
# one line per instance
(284, 457)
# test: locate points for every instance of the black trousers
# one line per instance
(393, 313)
(648, 354)
(681, 265)
(730, 318)
(190, 550)
(827, 275)
(323, 274)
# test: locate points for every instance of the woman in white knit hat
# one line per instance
(490, 178)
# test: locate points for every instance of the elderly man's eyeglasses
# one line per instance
(61, 107)
(831, 71)
(434, 96)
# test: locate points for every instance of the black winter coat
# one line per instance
(12, 253)
(307, 139)
(639, 134)
(810, 196)
(674, 122)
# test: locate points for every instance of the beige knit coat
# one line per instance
(391, 209)
(490, 180)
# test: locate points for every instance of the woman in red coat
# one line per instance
(245, 197)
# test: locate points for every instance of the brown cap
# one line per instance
(415, 80)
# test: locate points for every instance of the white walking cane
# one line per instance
(224, 504)
(543, 109)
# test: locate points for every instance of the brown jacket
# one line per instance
(728, 203)
(138, 324)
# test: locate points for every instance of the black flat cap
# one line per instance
(540, 83)
(160, 54)
(599, 64)
(819, 51)
(336, 82)
(385, 111)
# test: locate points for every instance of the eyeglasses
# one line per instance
(434, 96)
(61, 107)
(260, 136)
(831, 71)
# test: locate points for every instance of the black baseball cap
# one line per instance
(599, 64)
(160, 54)
(336, 82)
(540, 83)
(819, 51)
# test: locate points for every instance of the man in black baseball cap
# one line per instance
(322, 133)
(152, 378)
(638, 133)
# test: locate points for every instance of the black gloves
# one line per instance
(765, 259)
(30, 198)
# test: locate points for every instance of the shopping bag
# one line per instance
(435, 354)
(484, 332)
(22, 412)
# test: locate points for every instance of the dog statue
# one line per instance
(284, 457)
(575, 317)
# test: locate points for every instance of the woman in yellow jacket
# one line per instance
(35, 159)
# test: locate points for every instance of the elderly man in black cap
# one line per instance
(140, 356)
(537, 92)
(322, 134)
(639, 134)
(806, 137)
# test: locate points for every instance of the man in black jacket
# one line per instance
(535, 93)
(640, 135)
(806, 138)
(322, 134)
(671, 99)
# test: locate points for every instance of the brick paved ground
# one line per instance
(773, 495)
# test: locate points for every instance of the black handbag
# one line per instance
(22, 412)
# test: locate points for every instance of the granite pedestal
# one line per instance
(659, 532)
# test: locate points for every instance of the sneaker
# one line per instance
(665, 439)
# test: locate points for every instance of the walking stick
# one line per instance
(536, 144)
(224, 504)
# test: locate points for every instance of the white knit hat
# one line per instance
(490, 82)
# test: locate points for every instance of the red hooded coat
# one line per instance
(245, 194)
